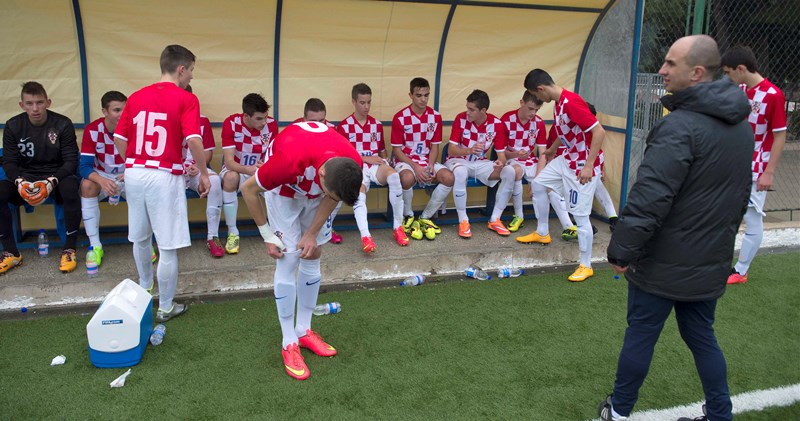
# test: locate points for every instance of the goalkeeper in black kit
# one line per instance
(40, 159)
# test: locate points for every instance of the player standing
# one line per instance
(310, 169)
(572, 174)
(768, 121)
(474, 132)
(154, 125)
(245, 138)
(416, 136)
(365, 133)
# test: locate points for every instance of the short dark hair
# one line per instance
(175, 56)
(360, 89)
(32, 88)
(112, 96)
(188, 89)
(479, 98)
(418, 82)
(343, 177)
(254, 103)
(314, 105)
(537, 78)
(740, 54)
(591, 108)
(529, 97)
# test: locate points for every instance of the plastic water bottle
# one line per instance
(477, 273)
(327, 308)
(114, 200)
(43, 243)
(91, 262)
(158, 334)
(413, 281)
(509, 272)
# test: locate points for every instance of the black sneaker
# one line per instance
(612, 223)
(604, 410)
(701, 418)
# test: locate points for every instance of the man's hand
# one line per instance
(307, 246)
(273, 251)
(422, 174)
(523, 155)
(192, 170)
(37, 192)
(586, 174)
(372, 159)
(477, 148)
(619, 269)
(108, 186)
(204, 186)
(764, 182)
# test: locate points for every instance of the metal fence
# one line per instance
(769, 27)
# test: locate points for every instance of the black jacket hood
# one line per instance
(720, 99)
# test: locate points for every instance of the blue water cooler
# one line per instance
(119, 331)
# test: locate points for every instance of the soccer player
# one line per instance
(154, 125)
(416, 136)
(315, 110)
(310, 169)
(570, 231)
(474, 132)
(40, 158)
(365, 133)
(768, 121)
(574, 174)
(245, 138)
(214, 199)
(527, 142)
(102, 168)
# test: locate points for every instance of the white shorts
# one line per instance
(402, 166)
(289, 218)
(112, 177)
(480, 170)
(157, 205)
(193, 182)
(558, 176)
(242, 177)
(757, 199)
(370, 174)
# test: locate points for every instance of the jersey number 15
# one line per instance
(148, 123)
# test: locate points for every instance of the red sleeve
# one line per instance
(777, 113)
(397, 131)
(269, 176)
(124, 124)
(227, 133)
(87, 144)
(541, 139)
(208, 135)
(456, 131)
(501, 136)
(437, 135)
(579, 113)
(190, 118)
(381, 143)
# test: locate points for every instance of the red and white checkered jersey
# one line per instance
(250, 146)
(156, 122)
(466, 134)
(551, 138)
(327, 123)
(573, 120)
(367, 139)
(525, 137)
(767, 115)
(296, 156)
(97, 142)
(415, 134)
(208, 141)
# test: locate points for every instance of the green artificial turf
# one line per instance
(534, 347)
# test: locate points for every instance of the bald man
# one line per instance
(674, 239)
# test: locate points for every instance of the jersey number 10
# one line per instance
(156, 134)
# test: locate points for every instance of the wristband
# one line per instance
(269, 236)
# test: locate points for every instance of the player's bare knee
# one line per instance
(446, 177)
(230, 182)
(407, 179)
(89, 188)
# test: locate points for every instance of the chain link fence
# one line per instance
(769, 27)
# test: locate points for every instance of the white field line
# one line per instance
(756, 400)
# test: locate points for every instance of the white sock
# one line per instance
(167, 277)
(516, 198)
(585, 238)
(285, 287)
(753, 234)
(360, 213)
(213, 206)
(230, 206)
(601, 193)
(143, 257)
(408, 200)
(460, 192)
(560, 207)
(503, 192)
(396, 199)
(308, 280)
(90, 210)
(542, 209)
(438, 197)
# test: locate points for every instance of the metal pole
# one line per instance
(699, 15)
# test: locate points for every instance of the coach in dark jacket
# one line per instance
(674, 239)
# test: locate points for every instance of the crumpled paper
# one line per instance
(58, 360)
(120, 381)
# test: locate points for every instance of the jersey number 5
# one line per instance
(156, 134)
